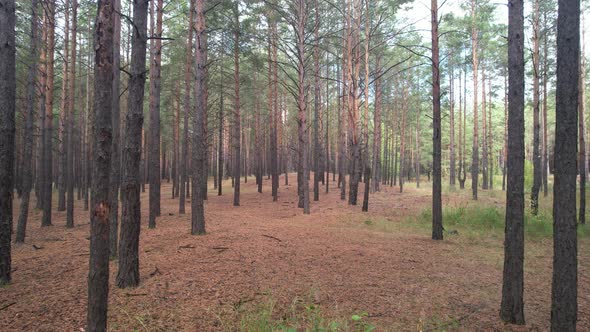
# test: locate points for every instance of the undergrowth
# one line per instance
(490, 221)
(301, 315)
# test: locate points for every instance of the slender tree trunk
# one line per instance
(220, 151)
(582, 142)
(176, 143)
(7, 131)
(475, 145)
(28, 128)
(377, 131)
(71, 112)
(512, 306)
(404, 110)
(98, 274)
(63, 115)
(437, 227)
(564, 290)
(301, 13)
(154, 130)
(492, 159)
(115, 151)
(48, 125)
(537, 172)
(545, 80)
(316, 105)
(186, 107)
(462, 174)
(505, 150)
(484, 121)
(198, 153)
(237, 125)
(39, 181)
(452, 160)
(128, 274)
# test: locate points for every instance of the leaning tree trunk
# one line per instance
(7, 131)
(512, 306)
(128, 274)
(564, 290)
(98, 273)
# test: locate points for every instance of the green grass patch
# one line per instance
(301, 315)
(480, 221)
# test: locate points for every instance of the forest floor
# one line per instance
(265, 266)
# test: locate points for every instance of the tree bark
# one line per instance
(545, 80)
(71, 112)
(564, 290)
(154, 129)
(512, 305)
(48, 121)
(63, 115)
(98, 274)
(237, 125)
(186, 107)
(128, 274)
(28, 126)
(452, 152)
(198, 153)
(7, 131)
(115, 151)
(437, 227)
(537, 172)
(475, 144)
(484, 152)
(582, 142)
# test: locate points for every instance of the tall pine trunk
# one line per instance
(564, 290)
(7, 131)
(128, 274)
(98, 273)
(537, 172)
(437, 227)
(198, 146)
(512, 305)
(154, 129)
(186, 110)
(28, 128)
(475, 144)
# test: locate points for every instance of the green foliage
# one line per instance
(300, 316)
(489, 220)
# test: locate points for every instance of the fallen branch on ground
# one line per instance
(7, 306)
(272, 237)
